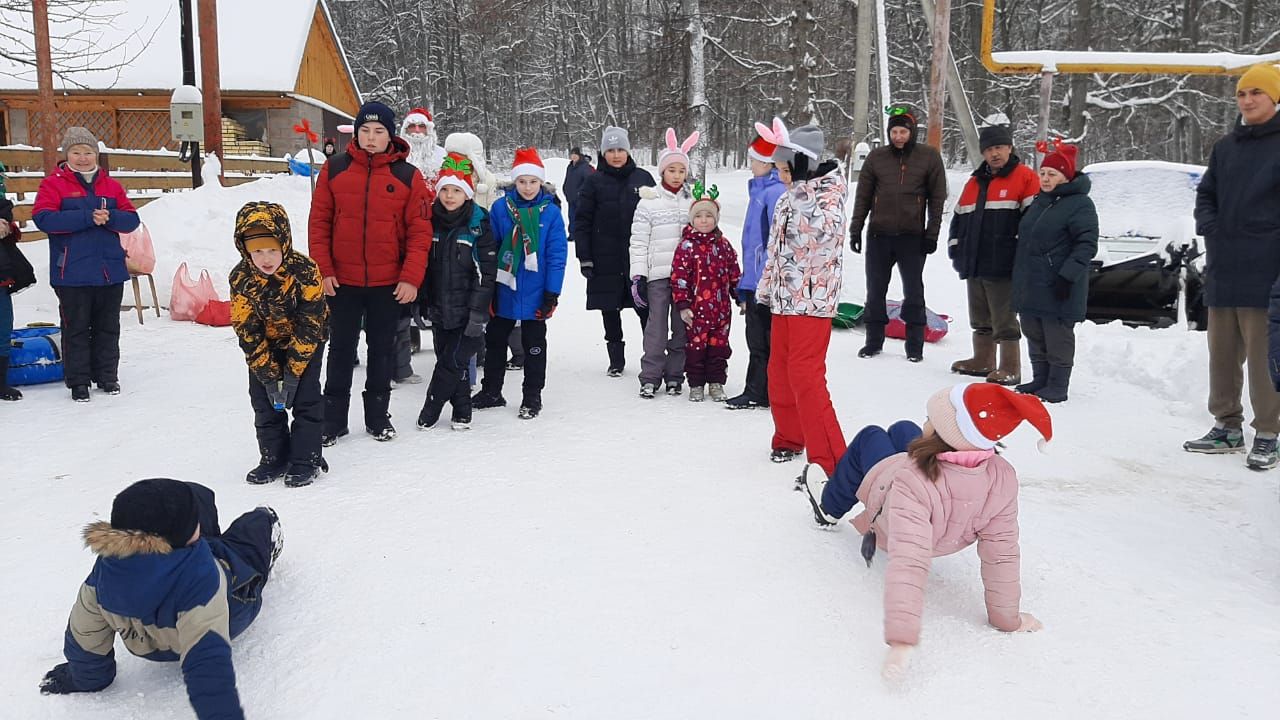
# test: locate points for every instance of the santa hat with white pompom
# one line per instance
(979, 415)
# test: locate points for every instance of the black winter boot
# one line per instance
(335, 419)
(915, 343)
(1039, 378)
(875, 341)
(270, 469)
(7, 392)
(1055, 391)
(377, 421)
(617, 358)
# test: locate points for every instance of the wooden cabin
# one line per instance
(280, 62)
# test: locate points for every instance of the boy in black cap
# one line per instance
(173, 586)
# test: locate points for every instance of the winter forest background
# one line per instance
(553, 72)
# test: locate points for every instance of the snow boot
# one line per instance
(430, 415)
(335, 419)
(1039, 378)
(530, 407)
(696, 394)
(377, 421)
(1218, 440)
(983, 360)
(1055, 391)
(915, 343)
(674, 388)
(617, 358)
(486, 399)
(1010, 370)
(1263, 456)
(813, 485)
(870, 351)
(269, 470)
(7, 392)
(874, 344)
(781, 455)
(110, 388)
(744, 402)
(460, 422)
(648, 391)
(716, 391)
(277, 535)
(303, 474)
(80, 393)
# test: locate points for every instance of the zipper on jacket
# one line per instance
(364, 222)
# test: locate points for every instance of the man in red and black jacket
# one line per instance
(370, 232)
(982, 244)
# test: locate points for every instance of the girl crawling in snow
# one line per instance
(932, 492)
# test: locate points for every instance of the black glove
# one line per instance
(746, 297)
(1062, 288)
(929, 245)
(855, 239)
(588, 269)
(549, 302)
(58, 681)
(275, 393)
(475, 326)
(289, 388)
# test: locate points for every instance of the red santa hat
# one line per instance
(1059, 156)
(527, 162)
(458, 172)
(761, 150)
(417, 116)
(977, 416)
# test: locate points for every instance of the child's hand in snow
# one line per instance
(687, 316)
(895, 663)
(1029, 623)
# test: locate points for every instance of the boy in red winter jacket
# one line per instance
(704, 280)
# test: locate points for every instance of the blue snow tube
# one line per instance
(35, 356)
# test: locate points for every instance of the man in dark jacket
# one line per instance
(578, 171)
(602, 238)
(982, 244)
(370, 231)
(1237, 213)
(903, 186)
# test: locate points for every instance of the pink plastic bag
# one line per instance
(139, 253)
(189, 297)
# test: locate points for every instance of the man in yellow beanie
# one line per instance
(1237, 213)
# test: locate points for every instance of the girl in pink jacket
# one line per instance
(932, 492)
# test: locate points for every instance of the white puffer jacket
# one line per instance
(655, 230)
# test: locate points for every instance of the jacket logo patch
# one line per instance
(1004, 193)
(391, 188)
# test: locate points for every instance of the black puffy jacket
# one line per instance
(1058, 237)
(462, 267)
(602, 231)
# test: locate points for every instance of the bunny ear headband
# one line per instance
(778, 134)
(684, 147)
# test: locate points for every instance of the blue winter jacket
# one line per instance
(166, 605)
(80, 252)
(764, 192)
(553, 252)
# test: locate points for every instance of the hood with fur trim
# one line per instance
(109, 542)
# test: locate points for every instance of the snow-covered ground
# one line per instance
(620, 558)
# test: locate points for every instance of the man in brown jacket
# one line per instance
(903, 186)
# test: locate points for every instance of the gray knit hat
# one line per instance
(807, 139)
(77, 135)
(615, 138)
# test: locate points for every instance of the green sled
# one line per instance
(848, 315)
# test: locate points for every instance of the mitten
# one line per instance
(930, 245)
(640, 291)
(290, 389)
(1061, 288)
(549, 302)
(587, 268)
(475, 326)
(58, 681)
(855, 239)
(687, 316)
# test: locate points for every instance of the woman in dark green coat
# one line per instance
(1057, 238)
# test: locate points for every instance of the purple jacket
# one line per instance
(764, 193)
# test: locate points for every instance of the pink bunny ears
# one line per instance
(778, 134)
(674, 153)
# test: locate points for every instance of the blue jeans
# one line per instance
(6, 323)
(871, 445)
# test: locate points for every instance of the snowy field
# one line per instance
(619, 558)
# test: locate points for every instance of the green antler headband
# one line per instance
(462, 165)
(700, 191)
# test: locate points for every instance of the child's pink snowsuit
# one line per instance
(704, 273)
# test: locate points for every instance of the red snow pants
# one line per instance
(803, 418)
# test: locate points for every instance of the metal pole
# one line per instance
(938, 72)
(1046, 99)
(48, 130)
(210, 79)
(189, 78)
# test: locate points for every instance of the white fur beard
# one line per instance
(422, 153)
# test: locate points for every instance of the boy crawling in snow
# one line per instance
(281, 318)
(174, 587)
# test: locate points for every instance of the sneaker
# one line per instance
(1263, 456)
(869, 351)
(813, 485)
(414, 379)
(80, 393)
(330, 439)
(429, 416)
(514, 366)
(110, 388)
(386, 433)
(782, 455)
(277, 536)
(615, 372)
(1217, 440)
(716, 391)
(744, 402)
(302, 475)
(648, 391)
(460, 425)
(674, 388)
(696, 394)
(486, 399)
(266, 473)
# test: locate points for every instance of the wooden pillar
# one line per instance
(210, 79)
(1046, 100)
(938, 72)
(48, 130)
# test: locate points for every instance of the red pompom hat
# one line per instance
(1059, 156)
(527, 162)
(761, 150)
(417, 116)
(977, 416)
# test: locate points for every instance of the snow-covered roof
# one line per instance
(1148, 198)
(260, 45)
